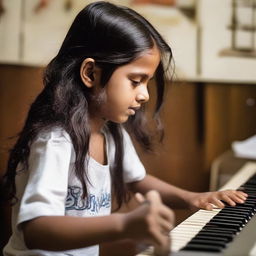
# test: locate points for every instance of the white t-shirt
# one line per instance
(50, 188)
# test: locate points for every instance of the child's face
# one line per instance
(127, 88)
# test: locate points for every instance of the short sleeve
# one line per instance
(133, 167)
(47, 176)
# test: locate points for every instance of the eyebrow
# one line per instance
(143, 75)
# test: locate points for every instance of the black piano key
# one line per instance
(249, 186)
(234, 210)
(247, 215)
(221, 219)
(205, 237)
(252, 180)
(227, 217)
(226, 232)
(249, 199)
(244, 188)
(241, 188)
(220, 228)
(225, 224)
(201, 247)
(240, 208)
(233, 215)
(214, 234)
(230, 218)
(207, 242)
(251, 193)
(247, 203)
(249, 183)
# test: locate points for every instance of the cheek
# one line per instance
(99, 99)
(120, 93)
(115, 101)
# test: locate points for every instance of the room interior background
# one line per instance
(211, 102)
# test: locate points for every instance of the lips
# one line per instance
(132, 110)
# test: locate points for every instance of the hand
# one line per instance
(151, 222)
(208, 199)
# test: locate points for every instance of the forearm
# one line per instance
(175, 197)
(56, 233)
(149, 222)
(171, 195)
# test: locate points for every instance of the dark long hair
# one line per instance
(113, 36)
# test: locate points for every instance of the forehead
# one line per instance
(146, 63)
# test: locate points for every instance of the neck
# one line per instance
(96, 124)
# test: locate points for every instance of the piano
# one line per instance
(221, 232)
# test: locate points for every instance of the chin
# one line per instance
(120, 120)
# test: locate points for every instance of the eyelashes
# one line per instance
(135, 83)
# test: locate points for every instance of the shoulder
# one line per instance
(52, 142)
(54, 134)
(55, 137)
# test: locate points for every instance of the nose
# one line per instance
(142, 95)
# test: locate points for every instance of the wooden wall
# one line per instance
(18, 87)
(201, 120)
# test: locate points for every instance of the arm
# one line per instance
(57, 233)
(148, 222)
(179, 198)
(171, 195)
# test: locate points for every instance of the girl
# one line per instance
(74, 151)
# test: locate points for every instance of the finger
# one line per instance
(139, 198)
(218, 203)
(207, 206)
(227, 199)
(237, 199)
(154, 197)
(242, 194)
(158, 238)
(165, 226)
(167, 214)
(239, 194)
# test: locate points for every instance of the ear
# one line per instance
(87, 70)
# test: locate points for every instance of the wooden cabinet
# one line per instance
(230, 114)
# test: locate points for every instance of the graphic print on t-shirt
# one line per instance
(92, 203)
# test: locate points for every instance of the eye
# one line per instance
(135, 82)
